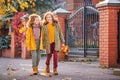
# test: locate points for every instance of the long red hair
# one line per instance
(32, 19)
(53, 18)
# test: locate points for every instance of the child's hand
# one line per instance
(63, 44)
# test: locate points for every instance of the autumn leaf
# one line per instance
(12, 69)
(68, 78)
(46, 74)
(14, 79)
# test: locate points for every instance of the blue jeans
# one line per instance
(36, 55)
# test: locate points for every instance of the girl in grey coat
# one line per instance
(52, 36)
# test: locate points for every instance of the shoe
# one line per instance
(35, 71)
(55, 72)
(33, 74)
(47, 70)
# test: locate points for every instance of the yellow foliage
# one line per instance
(12, 8)
(2, 9)
(64, 50)
(1, 24)
(5, 9)
(24, 4)
(33, 10)
(2, 0)
(22, 7)
(19, 1)
(2, 12)
(30, 1)
(8, 0)
(33, 4)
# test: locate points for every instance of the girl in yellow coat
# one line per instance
(33, 40)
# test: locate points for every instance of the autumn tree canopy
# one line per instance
(30, 6)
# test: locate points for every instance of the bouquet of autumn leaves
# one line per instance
(64, 50)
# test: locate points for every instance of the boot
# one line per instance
(47, 70)
(35, 71)
(55, 72)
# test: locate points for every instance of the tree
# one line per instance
(30, 6)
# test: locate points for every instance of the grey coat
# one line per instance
(58, 38)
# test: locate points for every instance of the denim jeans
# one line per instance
(36, 55)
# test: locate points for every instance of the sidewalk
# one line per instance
(67, 70)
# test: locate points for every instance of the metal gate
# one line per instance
(119, 37)
(82, 34)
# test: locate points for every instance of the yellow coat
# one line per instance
(30, 40)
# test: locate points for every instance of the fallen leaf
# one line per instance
(13, 79)
(67, 78)
(13, 72)
(46, 74)
(12, 69)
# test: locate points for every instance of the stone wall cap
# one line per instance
(109, 3)
(61, 11)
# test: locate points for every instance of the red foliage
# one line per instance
(16, 25)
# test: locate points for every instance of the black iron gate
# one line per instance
(82, 31)
(119, 37)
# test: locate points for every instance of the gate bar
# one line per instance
(119, 37)
(85, 33)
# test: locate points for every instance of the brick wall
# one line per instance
(73, 5)
(94, 2)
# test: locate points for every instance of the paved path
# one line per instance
(67, 71)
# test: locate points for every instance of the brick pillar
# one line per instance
(108, 33)
(13, 47)
(61, 20)
(24, 54)
(61, 15)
